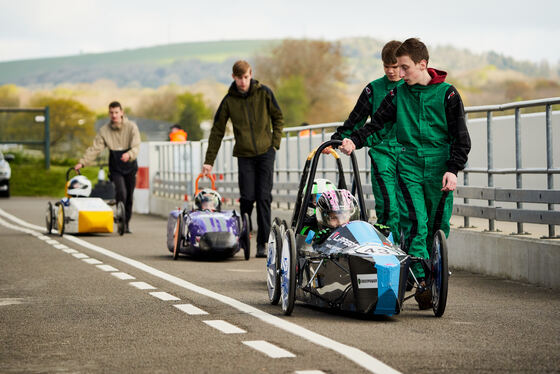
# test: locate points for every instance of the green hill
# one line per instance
(130, 66)
(188, 63)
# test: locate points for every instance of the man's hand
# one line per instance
(327, 150)
(449, 182)
(347, 146)
(78, 166)
(125, 157)
(206, 169)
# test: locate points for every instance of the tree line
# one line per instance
(314, 82)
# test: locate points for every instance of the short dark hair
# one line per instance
(388, 52)
(115, 104)
(240, 68)
(175, 126)
(415, 49)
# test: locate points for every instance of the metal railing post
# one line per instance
(288, 160)
(47, 138)
(466, 219)
(490, 161)
(549, 163)
(518, 175)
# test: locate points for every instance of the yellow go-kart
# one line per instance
(77, 213)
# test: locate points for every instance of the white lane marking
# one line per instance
(52, 241)
(353, 354)
(190, 309)
(60, 246)
(123, 276)
(142, 285)
(11, 301)
(80, 255)
(225, 327)
(164, 296)
(43, 237)
(69, 250)
(309, 372)
(107, 268)
(268, 349)
(92, 261)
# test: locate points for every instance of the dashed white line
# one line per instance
(190, 309)
(123, 276)
(107, 268)
(268, 349)
(52, 241)
(69, 250)
(309, 372)
(80, 255)
(225, 327)
(60, 246)
(351, 353)
(164, 296)
(92, 261)
(142, 285)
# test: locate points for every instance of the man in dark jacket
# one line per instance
(257, 127)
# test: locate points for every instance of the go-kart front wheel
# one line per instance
(288, 272)
(273, 264)
(244, 236)
(120, 217)
(178, 236)
(49, 217)
(439, 273)
(60, 220)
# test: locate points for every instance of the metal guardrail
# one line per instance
(176, 182)
(46, 142)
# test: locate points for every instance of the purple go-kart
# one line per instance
(206, 230)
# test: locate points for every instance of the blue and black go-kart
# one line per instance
(356, 268)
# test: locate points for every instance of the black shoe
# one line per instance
(127, 230)
(261, 251)
(423, 297)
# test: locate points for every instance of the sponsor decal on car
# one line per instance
(367, 280)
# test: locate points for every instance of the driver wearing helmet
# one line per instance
(334, 209)
(208, 199)
(79, 186)
(320, 185)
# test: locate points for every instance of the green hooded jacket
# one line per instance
(257, 122)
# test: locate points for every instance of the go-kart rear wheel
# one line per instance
(178, 236)
(273, 264)
(288, 272)
(244, 237)
(120, 217)
(439, 273)
(60, 220)
(49, 217)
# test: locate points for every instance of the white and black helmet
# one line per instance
(79, 186)
(208, 199)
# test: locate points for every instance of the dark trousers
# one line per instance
(124, 189)
(255, 185)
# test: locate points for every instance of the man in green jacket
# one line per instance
(430, 125)
(384, 147)
(257, 127)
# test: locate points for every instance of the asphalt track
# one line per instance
(104, 303)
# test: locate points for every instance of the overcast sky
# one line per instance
(525, 30)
